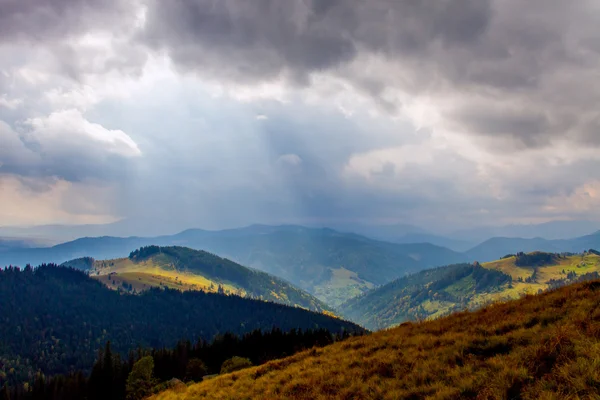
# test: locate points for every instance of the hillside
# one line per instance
(436, 292)
(539, 347)
(54, 319)
(331, 265)
(426, 294)
(187, 269)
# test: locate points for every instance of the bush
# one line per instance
(195, 370)
(235, 364)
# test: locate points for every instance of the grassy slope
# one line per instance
(403, 299)
(539, 347)
(187, 269)
(149, 273)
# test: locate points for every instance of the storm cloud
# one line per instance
(221, 113)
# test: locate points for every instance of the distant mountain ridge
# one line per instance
(331, 265)
(497, 247)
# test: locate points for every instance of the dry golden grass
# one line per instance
(538, 347)
(146, 274)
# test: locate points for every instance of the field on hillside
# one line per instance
(579, 264)
(540, 347)
(440, 291)
(152, 273)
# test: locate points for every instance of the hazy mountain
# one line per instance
(552, 230)
(124, 228)
(333, 266)
(498, 247)
(405, 233)
(11, 243)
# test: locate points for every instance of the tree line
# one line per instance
(144, 371)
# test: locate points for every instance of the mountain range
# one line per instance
(455, 239)
(331, 265)
(497, 247)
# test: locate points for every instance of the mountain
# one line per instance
(553, 230)
(404, 233)
(54, 319)
(440, 291)
(331, 265)
(12, 243)
(442, 241)
(187, 269)
(497, 247)
(538, 347)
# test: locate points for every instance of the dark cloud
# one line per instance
(534, 129)
(492, 50)
(262, 39)
(42, 21)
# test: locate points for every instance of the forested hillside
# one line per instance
(439, 291)
(540, 347)
(426, 294)
(187, 269)
(54, 319)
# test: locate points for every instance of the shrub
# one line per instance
(235, 364)
(195, 370)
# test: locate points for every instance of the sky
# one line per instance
(214, 114)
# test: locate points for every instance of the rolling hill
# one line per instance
(54, 319)
(440, 291)
(538, 347)
(187, 269)
(331, 265)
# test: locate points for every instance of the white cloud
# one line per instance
(67, 132)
